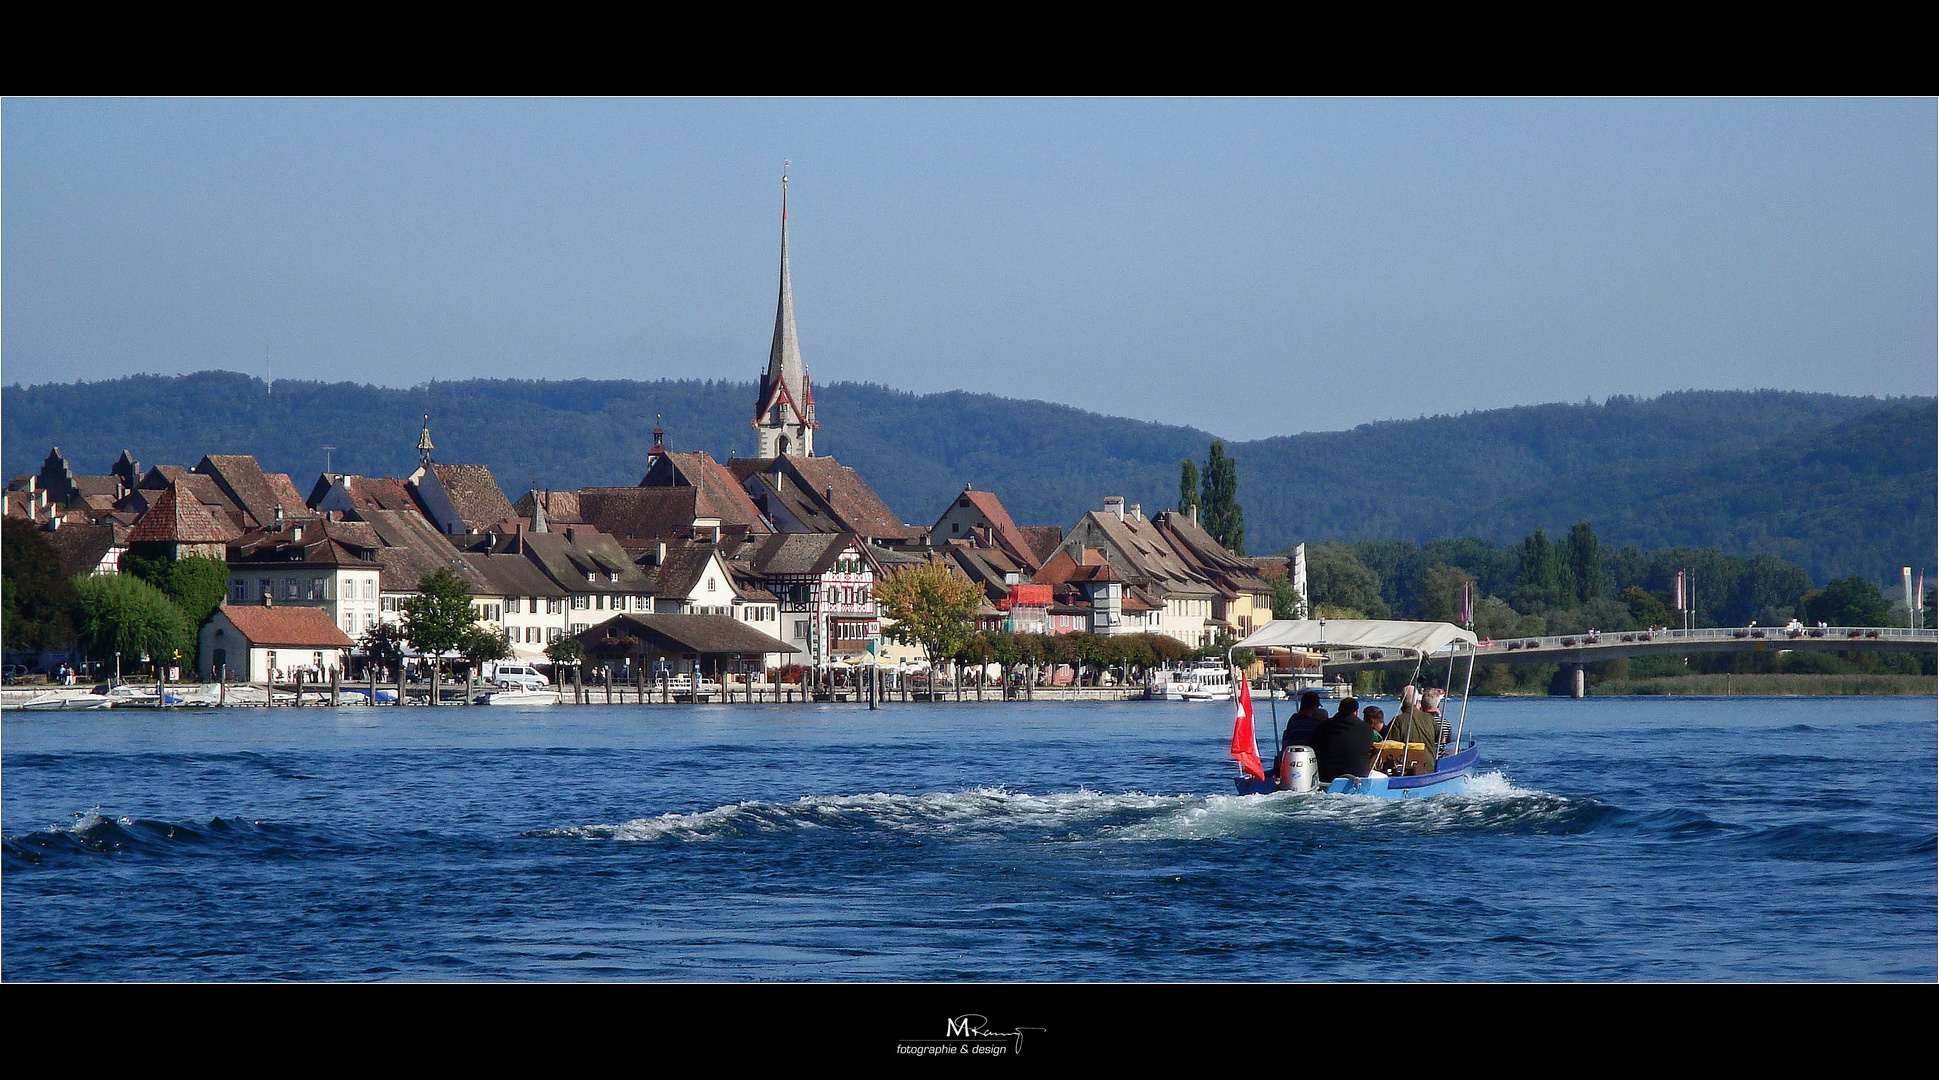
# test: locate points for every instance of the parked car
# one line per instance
(519, 677)
(16, 674)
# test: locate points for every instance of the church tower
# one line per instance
(784, 415)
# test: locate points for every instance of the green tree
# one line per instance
(384, 644)
(1219, 510)
(928, 605)
(195, 584)
(1187, 486)
(1441, 592)
(120, 616)
(40, 599)
(1849, 601)
(566, 650)
(437, 618)
(1584, 561)
(482, 645)
(1285, 597)
(1341, 583)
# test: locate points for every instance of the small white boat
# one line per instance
(1207, 680)
(67, 701)
(518, 697)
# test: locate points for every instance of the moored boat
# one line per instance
(1207, 680)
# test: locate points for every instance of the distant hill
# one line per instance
(1837, 484)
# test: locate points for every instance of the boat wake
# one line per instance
(1493, 804)
(94, 835)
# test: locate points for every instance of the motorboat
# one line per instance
(66, 701)
(518, 697)
(1295, 767)
(1206, 680)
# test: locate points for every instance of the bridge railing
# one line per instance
(1713, 633)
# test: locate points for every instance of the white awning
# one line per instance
(1424, 637)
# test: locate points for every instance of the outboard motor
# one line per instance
(1299, 768)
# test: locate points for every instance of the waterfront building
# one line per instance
(823, 585)
(318, 563)
(980, 517)
(1140, 554)
(1244, 600)
(259, 644)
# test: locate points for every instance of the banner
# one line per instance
(1299, 582)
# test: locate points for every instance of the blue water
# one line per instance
(1611, 839)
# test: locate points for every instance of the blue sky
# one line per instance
(1251, 267)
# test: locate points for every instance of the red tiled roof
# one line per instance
(472, 491)
(177, 517)
(299, 627)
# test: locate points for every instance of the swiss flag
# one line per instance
(1245, 745)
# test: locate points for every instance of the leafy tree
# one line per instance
(929, 605)
(119, 615)
(195, 584)
(1187, 486)
(482, 645)
(1647, 610)
(437, 618)
(1584, 562)
(567, 650)
(1285, 596)
(1339, 581)
(40, 600)
(1441, 593)
(1219, 510)
(1849, 601)
(384, 644)
(1545, 581)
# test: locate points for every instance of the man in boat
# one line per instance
(1301, 726)
(1344, 743)
(1416, 726)
(1431, 701)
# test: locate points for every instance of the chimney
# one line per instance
(1114, 504)
(296, 535)
(269, 600)
(1195, 515)
(279, 517)
(1137, 512)
(660, 553)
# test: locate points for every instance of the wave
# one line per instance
(94, 835)
(1494, 804)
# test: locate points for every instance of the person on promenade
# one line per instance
(1343, 743)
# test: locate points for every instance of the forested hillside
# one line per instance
(1839, 485)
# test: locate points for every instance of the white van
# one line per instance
(517, 676)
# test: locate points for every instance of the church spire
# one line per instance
(785, 413)
(424, 446)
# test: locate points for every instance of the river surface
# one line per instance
(1615, 839)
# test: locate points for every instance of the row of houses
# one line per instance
(787, 544)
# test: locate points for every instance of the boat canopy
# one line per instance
(1426, 638)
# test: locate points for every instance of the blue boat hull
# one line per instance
(1451, 776)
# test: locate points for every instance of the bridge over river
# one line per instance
(1579, 649)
